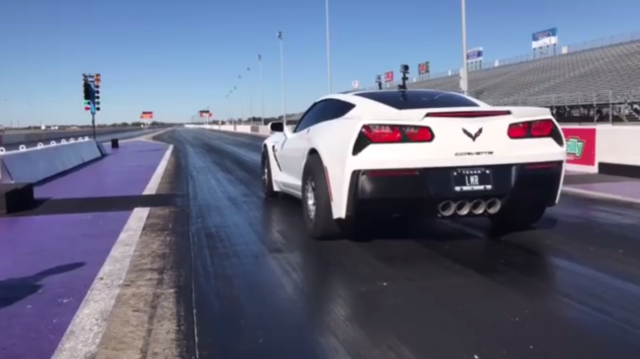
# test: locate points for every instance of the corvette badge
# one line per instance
(473, 136)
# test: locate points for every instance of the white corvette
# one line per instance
(413, 152)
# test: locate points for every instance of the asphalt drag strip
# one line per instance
(568, 288)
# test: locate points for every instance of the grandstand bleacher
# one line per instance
(597, 82)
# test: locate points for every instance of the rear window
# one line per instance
(412, 100)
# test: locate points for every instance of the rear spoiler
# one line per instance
(469, 114)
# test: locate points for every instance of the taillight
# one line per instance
(379, 134)
(418, 134)
(394, 134)
(518, 130)
(382, 134)
(539, 128)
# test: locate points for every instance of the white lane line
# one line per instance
(599, 195)
(154, 183)
(84, 334)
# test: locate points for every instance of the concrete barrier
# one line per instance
(36, 164)
(605, 149)
(11, 138)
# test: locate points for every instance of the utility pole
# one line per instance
(250, 99)
(464, 76)
(284, 97)
(326, 18)
(261, 90)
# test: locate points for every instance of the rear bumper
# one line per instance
(422, 189)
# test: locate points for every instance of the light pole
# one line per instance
(464, 76)
(240, 100)
(250, 99)
(261, 90)
(241, 114)
(326, 11)
(284, 97)
(226, 97)
(235, 120)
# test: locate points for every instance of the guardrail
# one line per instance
(23, 147)
(101, 137)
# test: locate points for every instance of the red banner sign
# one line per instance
(581, 146)
(422, 68)
(147, 115)
(388, 76)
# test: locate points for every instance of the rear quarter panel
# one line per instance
(333, 140)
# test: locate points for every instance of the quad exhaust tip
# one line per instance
(493, 205)
(446, 208)
(478, 206)
(463, 207)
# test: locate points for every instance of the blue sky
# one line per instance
(176, 57)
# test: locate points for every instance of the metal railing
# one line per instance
(572, 99)
(614, 106)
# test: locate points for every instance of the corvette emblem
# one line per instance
(473, 136)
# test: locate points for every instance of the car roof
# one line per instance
(390, 97)
(394, 91)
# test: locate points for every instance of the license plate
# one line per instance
(472, 179)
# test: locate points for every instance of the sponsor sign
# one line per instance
(424, 68)
(205, 113)
(581, 146)
(388, 76)
(146, 115)
(475, 54)
(544, 38)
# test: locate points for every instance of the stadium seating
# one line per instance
(593, 76)
(602, 73)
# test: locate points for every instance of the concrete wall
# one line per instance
(46, 136)
(37, 164)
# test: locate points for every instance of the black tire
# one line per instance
(266, 178)
(511, 219)
(320, 224)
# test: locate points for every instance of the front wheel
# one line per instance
(316, 201)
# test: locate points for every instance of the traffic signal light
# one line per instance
(97, 80)
(86, 86)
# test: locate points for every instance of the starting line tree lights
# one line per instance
(91, 89)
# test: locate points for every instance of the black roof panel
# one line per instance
(417, 99)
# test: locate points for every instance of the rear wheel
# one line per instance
(512, 219)
(267, 179)
(316, 201)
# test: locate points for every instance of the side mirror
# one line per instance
(276, 126)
